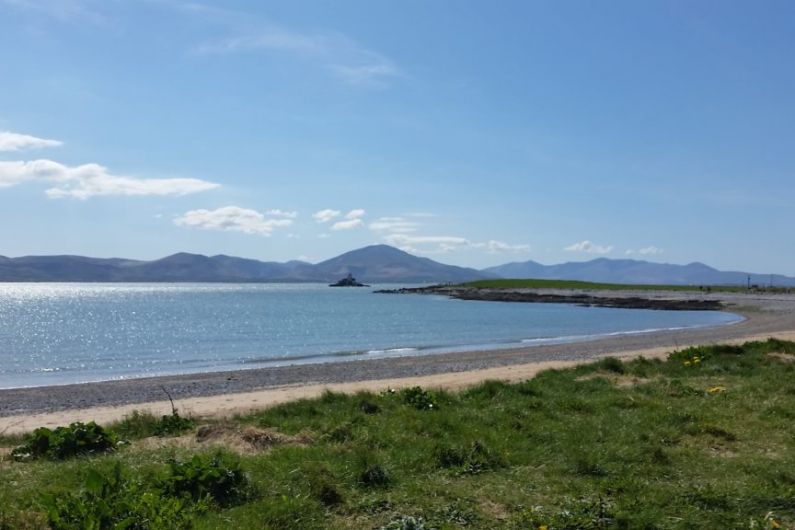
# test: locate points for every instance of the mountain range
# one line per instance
(373, 264)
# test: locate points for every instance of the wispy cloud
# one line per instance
(376, 73)
(75, 11)
(340, 55)
(10, 141)
(353, 219)
(324, 216)
(282, 213)
(426, 244)
(355, 214)
(92, 180)
(394, 225)
(400, 231)
(646, 251)
(587, 247)
(348, 224)
(232, 219)
(446, 244)
(496, 247)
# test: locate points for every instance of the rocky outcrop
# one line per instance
(574, 297)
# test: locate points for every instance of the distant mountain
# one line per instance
(382, 263)
(635, 272)
(374, 264)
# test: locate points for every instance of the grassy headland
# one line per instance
(571, 284)
(704, 439)
(592, 286)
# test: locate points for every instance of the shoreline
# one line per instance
(229, 392)
(580, 297)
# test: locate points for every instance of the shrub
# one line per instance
(611, 364)
(113, 501)
(173, 424)
(418, 398)
(78, 439)
(368, 407)
(218, 477)
(136, 425)
(143, 424)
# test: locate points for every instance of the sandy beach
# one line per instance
(227, 393)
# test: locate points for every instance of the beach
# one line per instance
(218, 394)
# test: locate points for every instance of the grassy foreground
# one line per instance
(705, 439)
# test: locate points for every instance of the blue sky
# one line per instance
(474, 133)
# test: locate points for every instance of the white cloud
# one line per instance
(231, 218)
(355, 214)
(353, 219)
(324, 216)
(646, 251)
(282, 213)
(92, 180)
(427, 244)
(445, 244)
(10, 141)
(394, 225)
(348, 224)
(588, 247)
(496, 247)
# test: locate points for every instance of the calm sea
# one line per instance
(66, 333)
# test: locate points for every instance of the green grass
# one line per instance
(574, 284)
(705, 439)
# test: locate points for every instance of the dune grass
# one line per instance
(705, 439)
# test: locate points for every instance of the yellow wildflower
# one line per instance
(716, 389)
(696, 360)
(686, 363)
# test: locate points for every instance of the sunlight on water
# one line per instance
(60, 333)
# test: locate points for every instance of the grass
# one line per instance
(705, 439)
(574, 284)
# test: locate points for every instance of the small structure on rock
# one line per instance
(348, 281)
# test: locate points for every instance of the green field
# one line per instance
(574, 284)
(705, 439)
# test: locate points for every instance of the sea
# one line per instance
(61, 333)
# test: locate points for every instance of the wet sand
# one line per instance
(232, 392)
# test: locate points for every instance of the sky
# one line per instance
(474, 133)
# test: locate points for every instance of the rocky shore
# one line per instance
(580, 298)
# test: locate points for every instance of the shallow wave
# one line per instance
(282, 359)
(579, 338)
